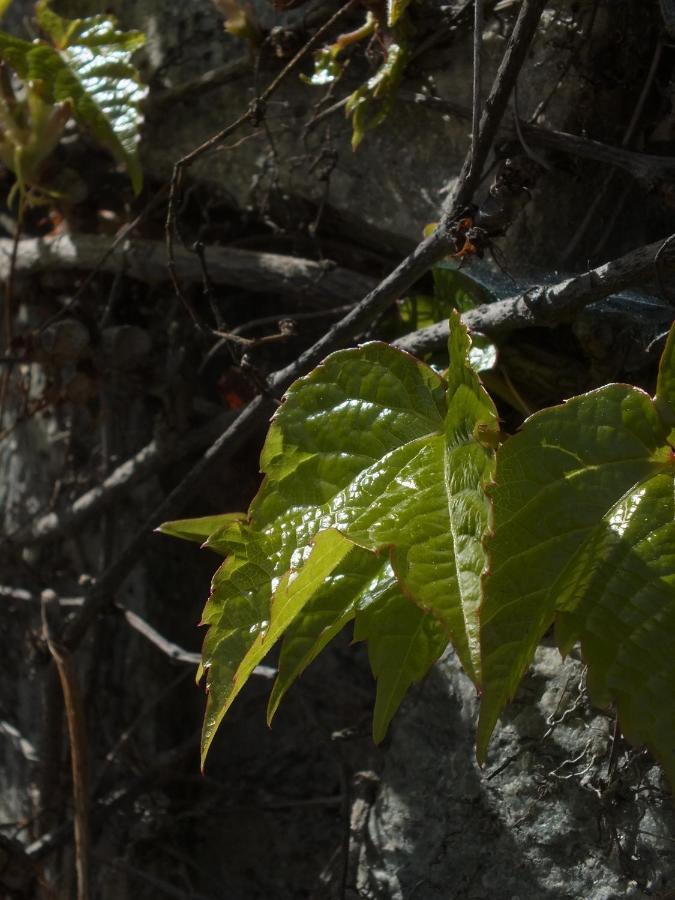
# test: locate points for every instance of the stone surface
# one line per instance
(542, 821)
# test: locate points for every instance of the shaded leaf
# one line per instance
(665, 386)
(455, 290)
(403, 642)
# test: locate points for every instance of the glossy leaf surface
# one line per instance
(372, 509)
(201, 529)
(584, 535)
(87, 64)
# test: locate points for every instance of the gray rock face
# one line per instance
(542, 820)
(395, 183)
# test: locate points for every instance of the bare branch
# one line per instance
(549, 305)
(149, 461)
(146, 261)
(77, 734)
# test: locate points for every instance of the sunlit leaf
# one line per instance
(87, 65)
(371, 103)
(373, 500)
(327, 67)
(584, 535)
(483, 353)
(201, 529)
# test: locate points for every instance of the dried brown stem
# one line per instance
(74, 707)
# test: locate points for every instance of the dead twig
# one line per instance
(174, 651)
(495, 105)
(8, 300)
(591, 212)
(106, 250)
(167, 647)
(150, 460)
(478, 19)
(74, 707)
(253, 115)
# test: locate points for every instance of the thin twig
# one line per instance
(601, 194)
(478, 17)
(541, 107)
(495, 105)
(158, 884)
(148, 461)
(8, 300)
(521, 137)
(252, 115)
(107, 249)
(72, 699)
(167, 647)
(644, 167)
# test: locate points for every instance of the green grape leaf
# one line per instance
(455, 290)
(202, 528)
(403, 642)
(87, 64)
(374, 472)
(358, 581)
(584, 536)
(371, 103)
(452, 290)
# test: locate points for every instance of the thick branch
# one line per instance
(146, 261)
(549, 305)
